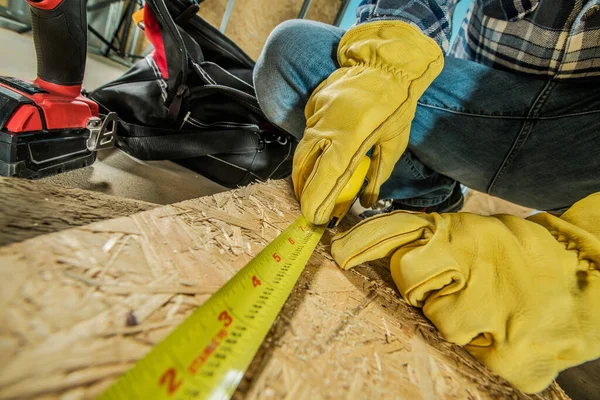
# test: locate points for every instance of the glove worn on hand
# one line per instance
(369, 102)
(523, 296)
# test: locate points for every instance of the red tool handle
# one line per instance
(60, 37)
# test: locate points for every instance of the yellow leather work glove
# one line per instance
(368, 103)
(523, 296)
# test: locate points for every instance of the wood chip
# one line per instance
(128, 289)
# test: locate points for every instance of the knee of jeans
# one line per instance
(280, 51)
(276, 73)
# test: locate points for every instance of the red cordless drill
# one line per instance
(47, 126)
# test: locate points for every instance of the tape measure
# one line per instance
(207, 355)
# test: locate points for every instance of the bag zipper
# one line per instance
(182, 90)
(193, 121)
(236, 94)
(174, 32)
(176, 103)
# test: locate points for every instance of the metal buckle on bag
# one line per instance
(270, 135)
(102, 132)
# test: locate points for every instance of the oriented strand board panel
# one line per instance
(212, 11)
(252, 21)
(324, 10)
(79, 307)
(31, 208)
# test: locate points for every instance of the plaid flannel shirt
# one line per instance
(558, 38)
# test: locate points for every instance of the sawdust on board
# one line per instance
(79, 307)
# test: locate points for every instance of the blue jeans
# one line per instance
(535, 142)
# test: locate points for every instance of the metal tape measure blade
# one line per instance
(207, 355)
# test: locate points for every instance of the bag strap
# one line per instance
(238, 96)
(150, 143)
(189, 10)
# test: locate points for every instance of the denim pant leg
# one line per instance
(466, 122)
(531, 141)
(297, 57)
(554, 160)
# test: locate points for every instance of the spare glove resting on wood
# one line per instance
(522, 296)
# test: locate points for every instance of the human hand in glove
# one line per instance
(368, 103)
(523, 296)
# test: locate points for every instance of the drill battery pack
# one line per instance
(42, 133)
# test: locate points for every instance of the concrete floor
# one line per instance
(114, 173)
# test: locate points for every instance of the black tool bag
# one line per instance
(205, 115)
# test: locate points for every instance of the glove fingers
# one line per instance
(310, 108)
(384, 157)
(305, 157)
(374, 238)
(320, 175)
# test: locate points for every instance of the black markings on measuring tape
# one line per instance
(280, 264)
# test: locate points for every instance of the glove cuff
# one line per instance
(394, 46)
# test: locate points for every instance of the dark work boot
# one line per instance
(452, 204)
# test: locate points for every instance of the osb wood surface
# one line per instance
(79, 307)
(31, 208)
(251, 21)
